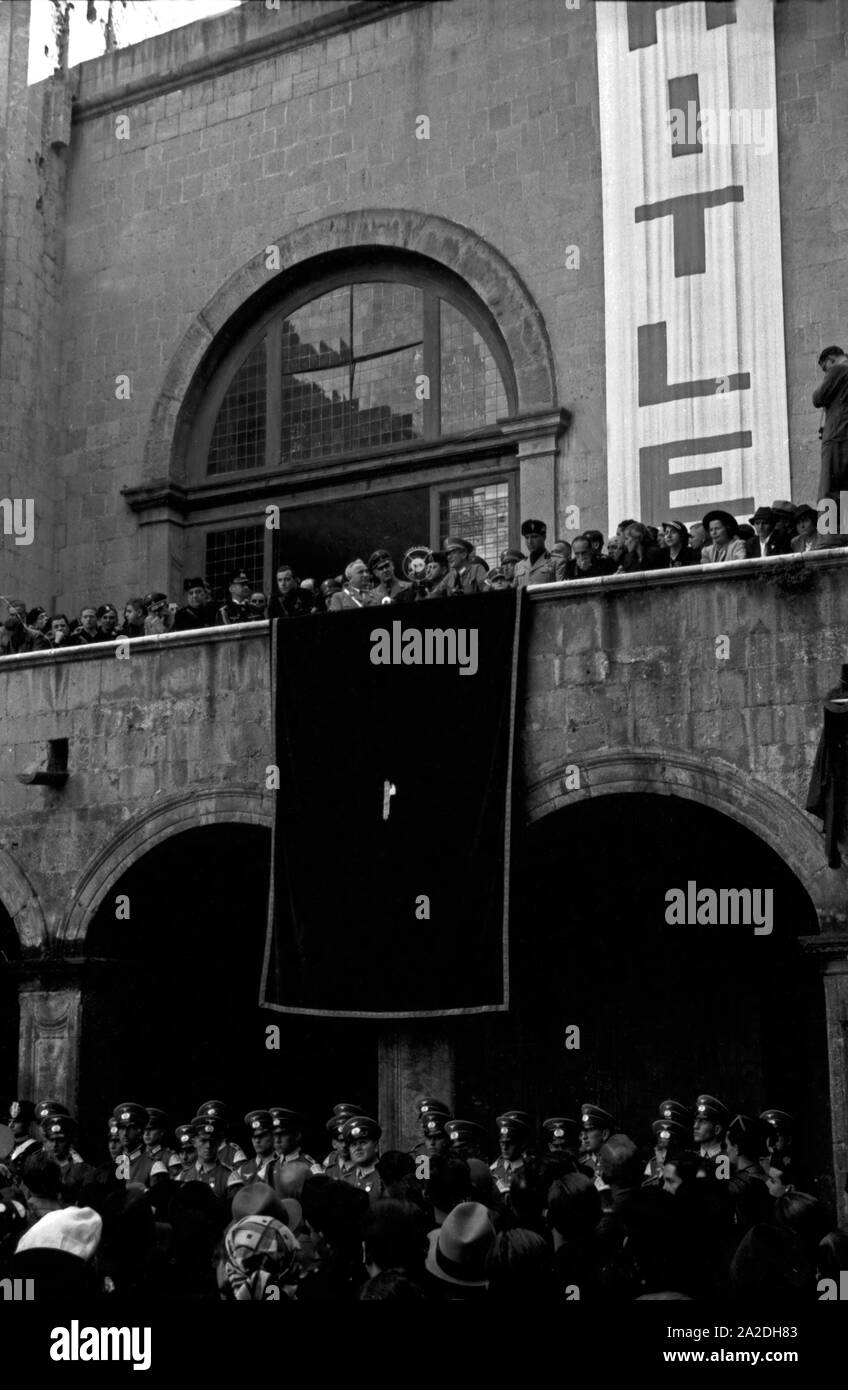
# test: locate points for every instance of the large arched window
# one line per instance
(379, 385)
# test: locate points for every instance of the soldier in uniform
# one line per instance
(22, 1125)
(338, 1161)
(467, 1139)
(387, 586)
(596, 1126)
(508, 560)
(45, 1110)
(436, 1142)
(185, 1153)
(562, 1135)
(674, 1127)
(513, 1137)
(114, 1143)
(363, 1135)
(207, 1167)
(136, 1163)
(780, 1165)
(154, 1135)
(231, 1154)
(60, 1131)
(464, 576)
(710, 1124)
(287, 1129)
(540, 565)
(260, 1167)
(237, 607)
(427, 1106)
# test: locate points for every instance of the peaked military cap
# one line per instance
(708, 1108)
(510, 557)
(778, 1119)
(130, 1114)
(559, 1127)
(60, 1127)
(114, 1129)
(465, 1132)
(284, 1121)
(258, 1122)
(593, 1117)
(674, 1110)
(434, 1123)
(213, 1110)
(184, 1136)
(347, 1107)
(533, 528)
(511, 1127)
(50, 1107)
(335, 1125)
(157, 1118)
(428, 1105)
(358, 1127)
(205, 1125)
(671, 1132)
(458, 543)
(519, 1116)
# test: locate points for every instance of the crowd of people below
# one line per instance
(780, 529)
(714, 1205)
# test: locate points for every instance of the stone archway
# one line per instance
(446, 243)
(186, 811)
(711, 782)
(21, 902)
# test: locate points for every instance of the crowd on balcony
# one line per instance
(711, 1204)
(780, 529)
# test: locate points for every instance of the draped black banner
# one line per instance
(394, 741)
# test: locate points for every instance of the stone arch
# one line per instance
(21, 902)
(188, 810)
(446, 243)
(711, 782)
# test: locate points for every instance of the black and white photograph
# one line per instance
(423, 677)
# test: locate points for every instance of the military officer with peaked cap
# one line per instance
(780, 1164)
(338, 1162)
(114, 1142)
(539, 566)
(513, 1137)
(154, 1135)
(185, 1153)
(45, 1108)
(436, 1142)
(467, 1139)
(710, 1126)
(260, 1128)
(22, 1124)
(465, 575)
(428, 1106)
(59, 1134)
(363, 1136)
(596, 1126)
(286, 1127)
(562, 1135)
(207, 1167)
(668, 1135)
(135, 1165)
(231, 1154)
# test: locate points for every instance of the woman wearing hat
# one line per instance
(678, 550)
(725, 543)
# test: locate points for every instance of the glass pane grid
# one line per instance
(385, 315)
(318, 334)
(238, 439)
(243, 547)
(385, 410)
(473, 392)
(316, 415)
(480, 515)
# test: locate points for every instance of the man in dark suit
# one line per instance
(772, 535)
(832, 398)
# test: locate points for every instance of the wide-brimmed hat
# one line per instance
(804, 509)
(764, 514)
(728, 521)
(458, 1249)
(783, 507)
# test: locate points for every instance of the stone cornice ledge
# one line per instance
(104, 651)
(338, 20)
(698, 574)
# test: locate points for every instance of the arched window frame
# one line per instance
(436, 285)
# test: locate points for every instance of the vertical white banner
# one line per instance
(695, 365)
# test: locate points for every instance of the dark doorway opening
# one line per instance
(10, 953)
(321, 540)
(171, 1017)
(663, 1010)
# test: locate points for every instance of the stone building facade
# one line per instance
(169, 214)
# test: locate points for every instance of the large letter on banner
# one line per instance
(695, 362)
